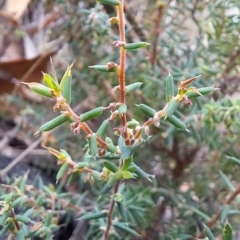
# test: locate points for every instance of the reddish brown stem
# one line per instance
(12, 214)
(121, 24)
(110, 211)
(213, 220)
(121, 75)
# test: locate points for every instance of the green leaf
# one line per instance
(82, 165)
(169, 88)
(93, 147)
(103, 68)
(53, 71)
(54, 123)
(203, 91)
(22, 219)
(103, 128)
(133, 123)
(209, 70)
(91, 114)
(127, 162)
(201, 214)
(111, 147)
(62, 171)
(172, 106)
(97, 215)
(122, 210)
(234, 159)
(117, 176)
(110, 2)
(67, 90)
(133, 87)
(122, 108)
(66, 77)
(148, 111)
(227, 181)
(224, 212)
(40, 89)
(110, 166)
(208, 232)
(125, 228)
(50, 82)
(96, 175)
(4, 217)
(66, 154)
(73, 178)
(134, 46)
(127, 175)
(20, 235)
(6, 228)
(176, 122)
(141, 173)
(227, 232)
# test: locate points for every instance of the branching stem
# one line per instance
(121, 75)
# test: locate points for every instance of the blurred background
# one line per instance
(195, 170)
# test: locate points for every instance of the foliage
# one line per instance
(161, 122)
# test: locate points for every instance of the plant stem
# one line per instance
(121, 25)
(213, 220)
(110, 211)
(84, 125)
(12, 214)
(121, 75)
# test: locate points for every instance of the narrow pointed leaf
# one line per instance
(133, 87)
(127, 175)
(202, 91)
(67, 90)
(62, 171)
(117, 176)
(110, 2)
(127, 162)
(122, 210)
(201, 214)
(141, 173)
(125, 228)
(208, 233)
(97, 215)
(103, 68)
(227, 181)
(134, 46)
(169, 88)
(50, 82)
(40, 89)
(122, 108)
(110, 166)
(91, 114)
(172, 106)
(224, 212)
(66, 77)
(103, 128)
(93, 147)
(150, 112)
(234, 159)
(54, 123)
(176, 122)
(22, 219)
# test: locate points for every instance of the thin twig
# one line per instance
(10, 135)
(20, 157)
(157, 30)
(214, 219)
